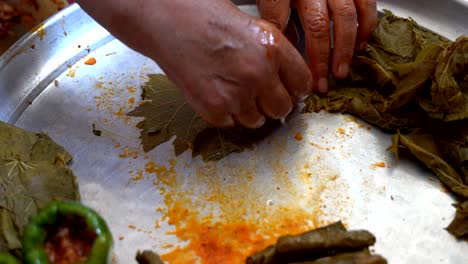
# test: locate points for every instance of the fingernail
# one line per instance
(322, 85)
(286, 115)
(362, 46)
(309, 85)
(227, 122)
(260, 122)
(343, 70)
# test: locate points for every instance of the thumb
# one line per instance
(275, 12)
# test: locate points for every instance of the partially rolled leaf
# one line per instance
(167, 114)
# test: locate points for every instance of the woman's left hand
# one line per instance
(354, 22)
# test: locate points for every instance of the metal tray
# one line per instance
(219, 210)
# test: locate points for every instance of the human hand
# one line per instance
(231, 67)
(315, 17)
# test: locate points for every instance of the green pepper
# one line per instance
(67, 223)
(7, 259)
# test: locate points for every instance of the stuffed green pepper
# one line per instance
(67, 233)
(6, 258)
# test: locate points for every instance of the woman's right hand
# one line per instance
(231, 67)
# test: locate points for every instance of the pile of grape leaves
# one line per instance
(409, 81)
(413, 83)
(33, 172)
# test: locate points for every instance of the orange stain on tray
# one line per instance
(90, 61)
(233, 237)
(114, 100)
(243, 223)
(131, 89)
(298, 136)
(138, 177)
(220, 219)
(127, 153)
(379, 165)
(120, 112)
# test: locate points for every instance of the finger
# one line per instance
(367, 19)
(211, 108)
(274, 101)
(293, 72)
(344, 17)
(314, 18)
(251, 116)
(275, 12)
(220, 120)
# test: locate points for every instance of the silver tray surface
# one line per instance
(158, 201)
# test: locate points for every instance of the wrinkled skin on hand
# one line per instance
(354, 22)
(231, 67)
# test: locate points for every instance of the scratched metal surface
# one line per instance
(151, 200)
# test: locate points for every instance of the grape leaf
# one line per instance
(33, 172)
(167, 114)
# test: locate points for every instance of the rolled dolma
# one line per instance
(319, 243)
(349, 258)
(327, 239)
(148, 257)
